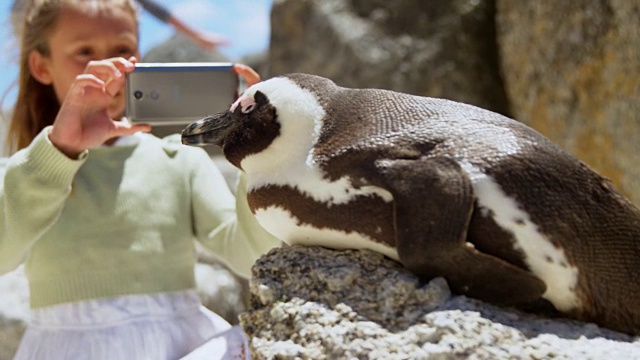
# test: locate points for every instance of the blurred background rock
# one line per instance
(572, 71)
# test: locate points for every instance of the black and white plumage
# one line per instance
(448, 189)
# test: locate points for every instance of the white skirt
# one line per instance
(155, 327)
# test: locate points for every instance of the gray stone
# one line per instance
(220, 289)
(180, 49)
(14, 311)
(317, 303)
(10, 335)
(429, 48)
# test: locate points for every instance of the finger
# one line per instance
(250, 75)
(112, 72)
(118, 62)
(123, 128)
(82, 82)
(124, 65)
(114, 84)
(104, 69)
(110, 69)
(88, 80)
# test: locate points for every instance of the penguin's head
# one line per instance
(272, 122)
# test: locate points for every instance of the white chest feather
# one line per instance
(288, 161)
(284, 225)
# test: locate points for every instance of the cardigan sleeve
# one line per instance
(237, 239)
(37, 181)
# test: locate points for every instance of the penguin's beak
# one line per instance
(210, 130)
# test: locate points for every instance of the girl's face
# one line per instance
(79, 37)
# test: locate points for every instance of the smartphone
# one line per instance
(169, 94)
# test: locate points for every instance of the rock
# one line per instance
(258, 62)
(11, 331)
(14, 311)
(221, 290)
(572, 71)
(181, 49)
(441, 49)
(316, 303)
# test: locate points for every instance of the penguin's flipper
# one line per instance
(433, 202)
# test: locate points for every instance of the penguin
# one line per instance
(445, 188)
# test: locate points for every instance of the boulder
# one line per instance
(572, 71)
(220, 289)
(14, 311)
(317, 303)
(428, 48)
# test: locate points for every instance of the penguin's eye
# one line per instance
(248, 108)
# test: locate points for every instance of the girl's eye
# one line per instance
(125, 52)
(84, 52)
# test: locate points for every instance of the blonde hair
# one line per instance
(36, 105)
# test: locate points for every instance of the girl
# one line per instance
(105, 214)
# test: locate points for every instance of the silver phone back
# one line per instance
(179, 93)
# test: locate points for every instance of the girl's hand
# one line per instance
(83, 121)
(250, 75)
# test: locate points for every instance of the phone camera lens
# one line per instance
(138, 94)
